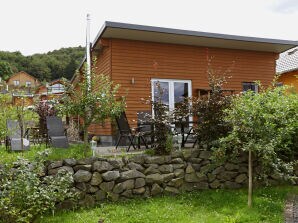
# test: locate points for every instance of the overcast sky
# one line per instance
(38, 26)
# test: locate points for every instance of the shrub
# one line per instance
(210, 113)
(264, 125)
(25, 193)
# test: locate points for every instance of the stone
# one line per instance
(177, 161)
(276, 176)
(156, 189)
(102, 166)
(135, 166)
(179, 173)
(113, 197)
(96, 179)
(231, 166)
(131, 174)
(140, 182)
(100, 195)
(140, 159)
(152, 169)
(171, 190)
(167, 159)
(195, 160)
(243, 169)
(168, 176)
(70, 162)
(189, 169)
(92, 189)
(205, 169)
(89, 161)
(81, 186)
(202, 177)
(227, 175)
(241, 178)
(126, 185)
(107, 186)
(186, 154)
(187, 187)
(166, 168)
(211, 177)
(111, 175)
(215, 184)
(68, 169)
(82, 176)
(231, 185)
(140, 190)
(177, 182)
(118, 188)
(53, 171)
(88, 201)
(55, 164)
(191, 178)
(154, 178)
(205, 154)
(201, 186)
(117, 164)
(177, 154)
(127, 194)
(218, 170)
(205, 162)
(86, 167)
(66, 205)
(178, 166)
(194, 154)
(155, 159)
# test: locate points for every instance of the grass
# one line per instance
(209, 206)
(74, 151)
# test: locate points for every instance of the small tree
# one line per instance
(210, 112)
(93, 101)
(264, 125)
(44, 109)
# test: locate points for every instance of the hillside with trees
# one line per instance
(46, 67)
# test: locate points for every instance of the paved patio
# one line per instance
(291, 210)
(112, 151)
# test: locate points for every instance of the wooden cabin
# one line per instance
(137, 56)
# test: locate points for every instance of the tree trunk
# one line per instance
(86, 144)
(249, 179)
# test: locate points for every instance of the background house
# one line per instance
(52, 90)
(22, 86)
(287, 68)
(138, 56)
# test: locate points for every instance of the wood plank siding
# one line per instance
(125, 60)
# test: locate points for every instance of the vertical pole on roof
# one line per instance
(88, 56)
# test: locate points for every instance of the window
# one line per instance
(28, 83)
(16, 83)
(246, 86)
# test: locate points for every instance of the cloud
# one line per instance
(286, 6)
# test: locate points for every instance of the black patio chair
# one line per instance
(144, 125)
(14, 137)
(56, 132)
(128, 133)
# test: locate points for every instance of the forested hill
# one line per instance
(47, 66)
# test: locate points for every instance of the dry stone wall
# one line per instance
(98, 179)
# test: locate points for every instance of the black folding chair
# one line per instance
(14, 137)
(128, 133)
(56, 132)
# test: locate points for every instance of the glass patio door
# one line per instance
(173, 91)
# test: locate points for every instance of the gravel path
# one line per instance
(291, 210)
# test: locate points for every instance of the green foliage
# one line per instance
(265, 123)
(74, 151)
(93, 101)
(220, 206)
(25, 193)
(49, 66)
(210, 112)
(5, 70)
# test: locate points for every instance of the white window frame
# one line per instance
(171, 91)
(27, 82)
(16, 82)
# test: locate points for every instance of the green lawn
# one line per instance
(212, 206)
(74, 151)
